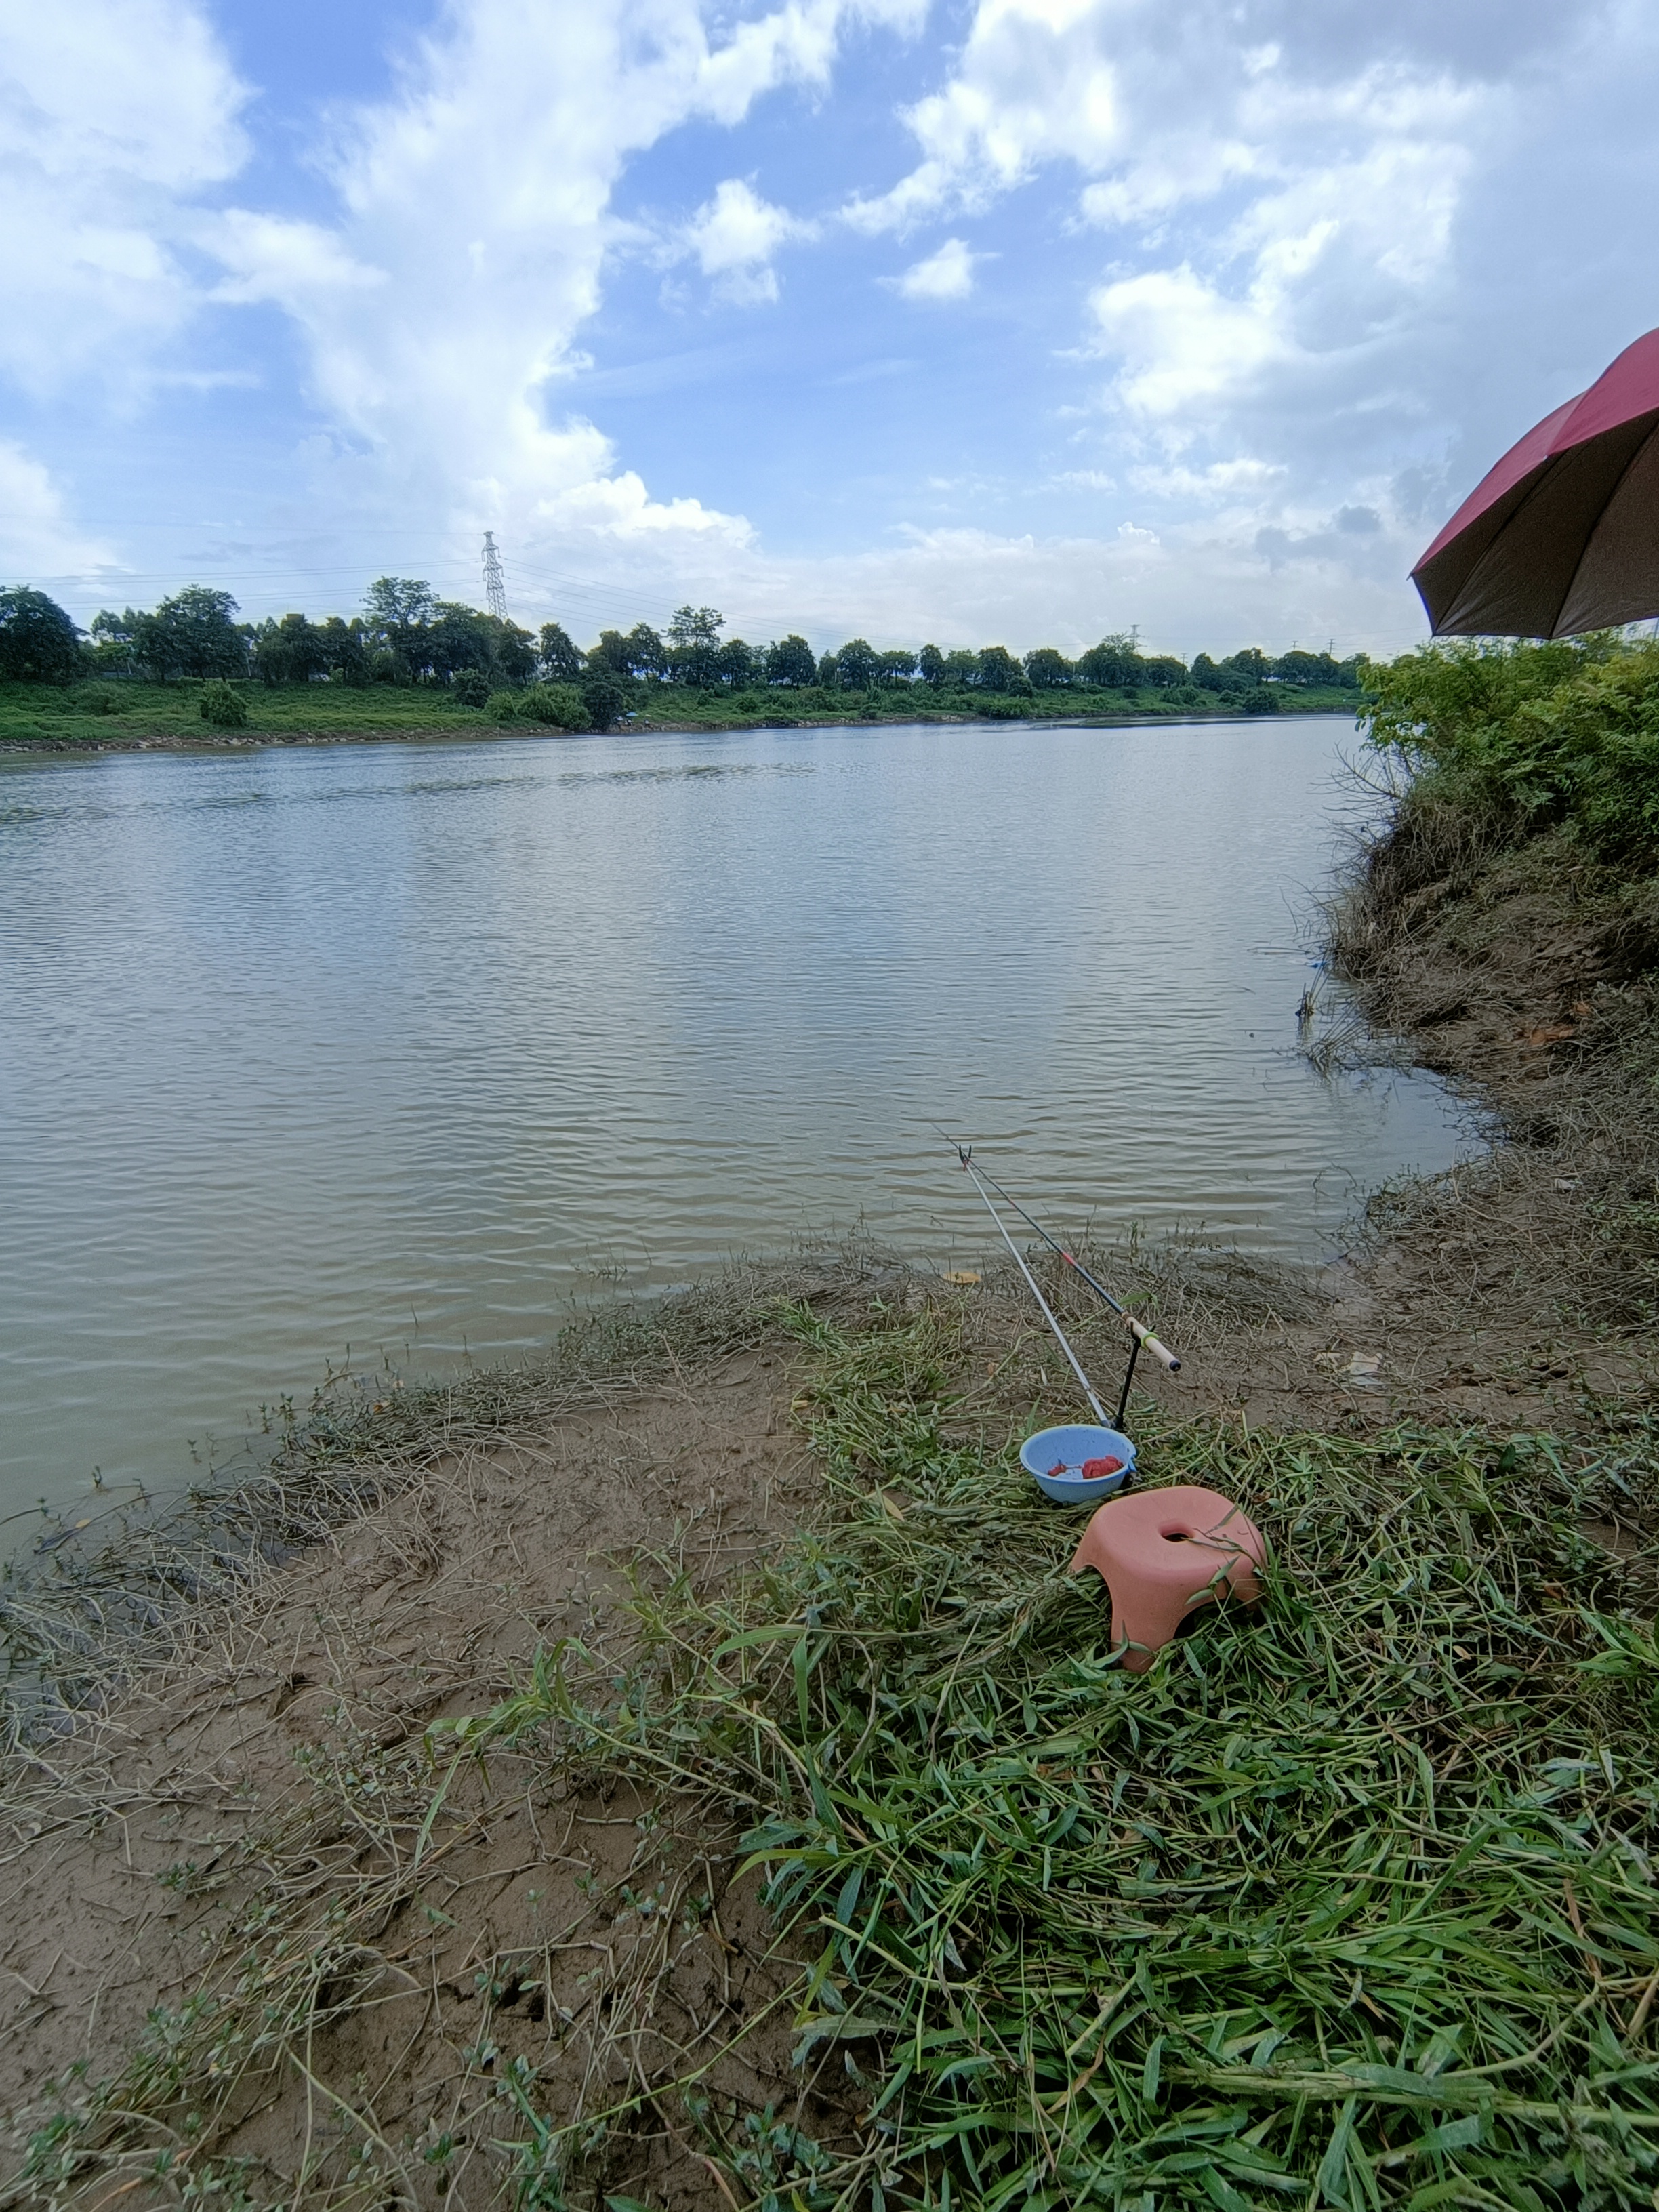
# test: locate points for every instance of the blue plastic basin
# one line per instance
(1069, 1448)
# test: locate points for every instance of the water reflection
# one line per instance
(404, 1047)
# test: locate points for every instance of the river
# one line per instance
(310, 1055)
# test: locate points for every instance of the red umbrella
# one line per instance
(1562, 536)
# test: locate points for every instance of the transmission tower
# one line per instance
(495, 588)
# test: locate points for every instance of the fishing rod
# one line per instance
(1139, 1334)
(1047, 1312)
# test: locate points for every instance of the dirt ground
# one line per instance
(289, 1737)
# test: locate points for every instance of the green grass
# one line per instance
(108, 712)
(40, 714)
(1348, 1903)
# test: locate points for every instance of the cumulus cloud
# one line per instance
(37, 537)
(441, 310)
(735, 236)
(114, 116)
(1188, 588)
(1036, 82)
(946, 275)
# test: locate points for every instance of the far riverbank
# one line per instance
(131, 717)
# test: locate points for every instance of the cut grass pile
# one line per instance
(1350, 1902)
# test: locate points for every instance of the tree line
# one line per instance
(406, 635)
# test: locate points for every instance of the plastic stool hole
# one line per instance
(1175, 1536)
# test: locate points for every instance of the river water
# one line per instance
(308, 1055)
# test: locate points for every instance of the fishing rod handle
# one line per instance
(1144, 1336)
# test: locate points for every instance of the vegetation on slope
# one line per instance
(281, 676)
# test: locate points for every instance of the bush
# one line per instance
(222, 704)
(100, 699)
(470, 688)
(554, 706)
(502, 706)
(1529, 736)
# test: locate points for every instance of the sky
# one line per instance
(992, 321)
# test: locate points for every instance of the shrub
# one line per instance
(1530, 737)
(554, 706)
(502, 706)
(470, 688)
(222, 704)
(99, 699)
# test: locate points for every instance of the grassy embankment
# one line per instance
(1349, 1903)
(88, 716)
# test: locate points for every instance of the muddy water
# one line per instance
(310, 1055)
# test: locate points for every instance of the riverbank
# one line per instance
(683, 1774)
(640, 1767)
(129, 717)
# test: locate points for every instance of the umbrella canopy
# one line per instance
(1563, 535)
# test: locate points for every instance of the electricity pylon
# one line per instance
(495, 588)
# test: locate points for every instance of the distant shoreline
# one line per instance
(226, 741)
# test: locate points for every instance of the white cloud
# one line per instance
(1036, 82)
(1182, 342)
(441, 309)
(114, 115)
(735, 236)
(37, 538)
(1188, 588)
(946, 275)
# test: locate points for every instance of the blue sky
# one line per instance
(1007, 320)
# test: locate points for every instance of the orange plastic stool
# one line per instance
(1163, 1551)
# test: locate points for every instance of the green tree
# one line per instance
(694, 641)
(1113, 665)
(111, 641)
(454, 637)
(561, 663)
(605, 700)
(345, 653)
(291, 651)
(828, 676)
(1048, 669)
(648, 656)
(39, 643)
(896, 666)
(790, 661)
(1207, 676)
(194, 633)
(1162, 672)
(397, 611)
(856, 666)
(998, 672)
(1252, 665)
(930, 667)
(610, 653)
(961, 670)
(736, 664)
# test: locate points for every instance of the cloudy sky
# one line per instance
(1016, 320)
